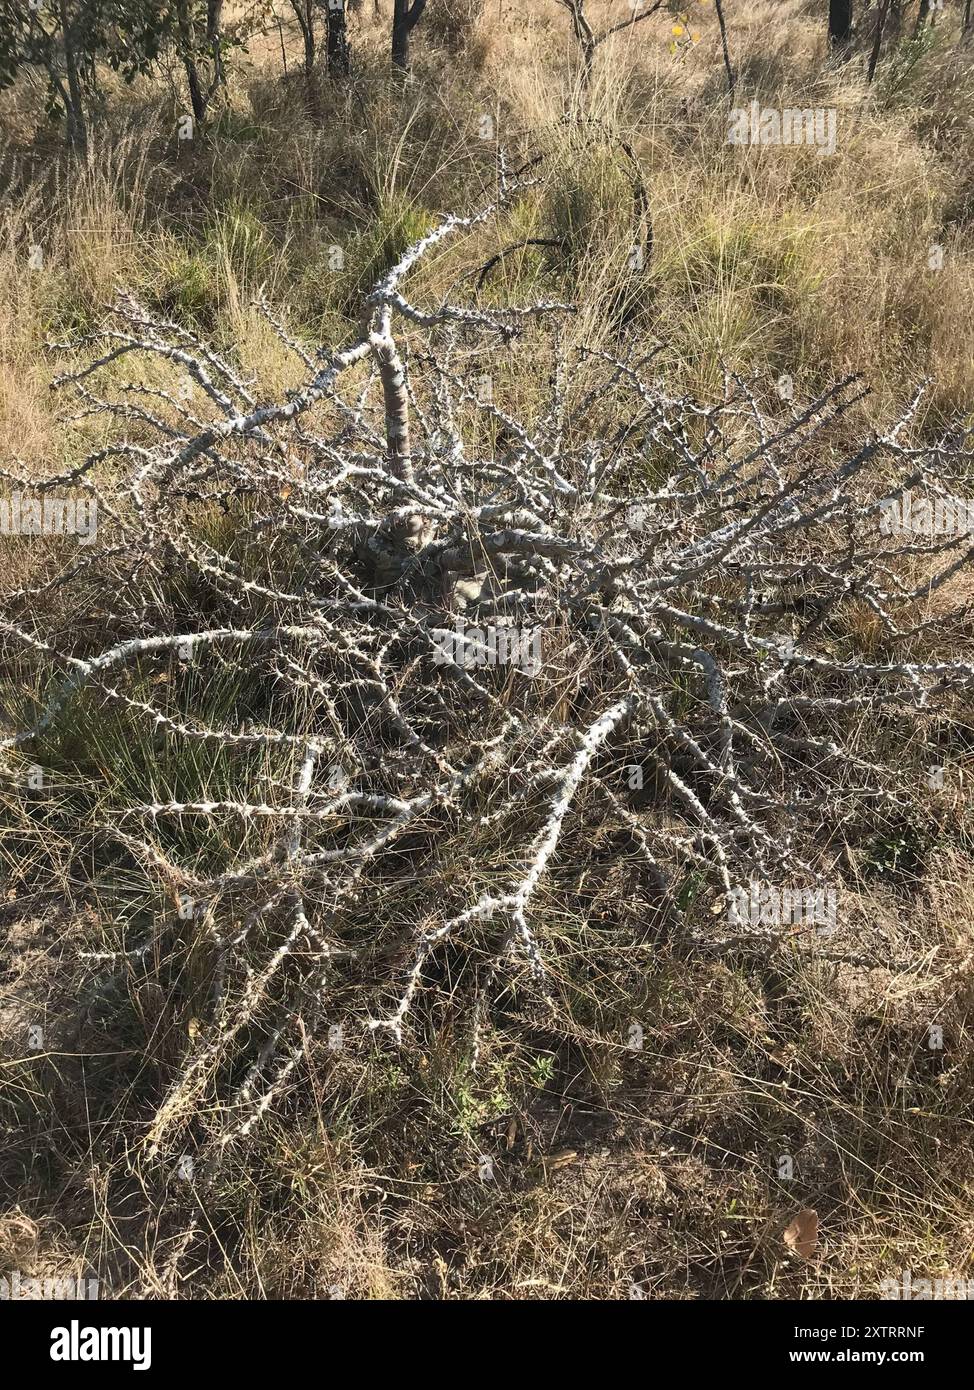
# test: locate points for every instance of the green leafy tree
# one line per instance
(66, 40)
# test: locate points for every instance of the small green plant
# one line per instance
(899, 854)
(542, 1071)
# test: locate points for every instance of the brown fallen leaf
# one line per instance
(560, 1160)
(801, 1234)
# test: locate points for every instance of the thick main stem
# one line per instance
(405, 17)
(877, 40)
(840, 23)
(77, 125)
(187, 40)
(393, 377)
(338, 55)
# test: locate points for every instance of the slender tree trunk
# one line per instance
(187, 39)
(77, 124)
(967, 17)
(304, 12)
(400, 34)
(405, 17)
(877, 39)
(840, 23)
(214, 40)
(584, 37)
(923, 13)
(731, 79)
(196, 97)
(338, 55)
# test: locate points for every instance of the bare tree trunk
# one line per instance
(338, 54)
(394, 395)
(923, 13)
(585, 38)
(877, 40)
(405, 17)
(196, 96)
(75, 106)
(731, 79)
(214, 39)
(840, 23)
(304, 13)
(187, 40)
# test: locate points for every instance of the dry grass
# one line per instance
(611, 1166)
